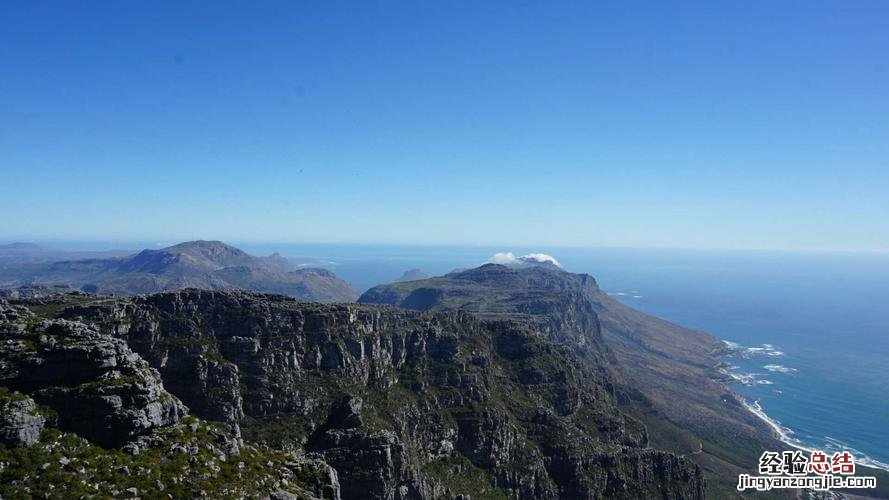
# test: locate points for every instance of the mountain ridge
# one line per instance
(212, 265)
(18, 253)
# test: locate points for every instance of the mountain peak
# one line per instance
(412, 275)
(203, 246)
(212, 253)
(487, 288)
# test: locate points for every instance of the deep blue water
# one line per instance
(813, 328)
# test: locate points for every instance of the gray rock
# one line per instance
(283, 495)
(20, 423)
(100, 388)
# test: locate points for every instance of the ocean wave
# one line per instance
(750, 352)
(779, 369)
(747, 379)
(834, 445)
(317, 263)
(785, 433)
(732, 345)
(830, 445)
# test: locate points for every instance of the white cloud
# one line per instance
(510, 259)
(504, 258)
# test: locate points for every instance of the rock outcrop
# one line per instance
(99, 388)
(20, 422)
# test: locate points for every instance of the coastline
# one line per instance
(865, 466)
(783, 433)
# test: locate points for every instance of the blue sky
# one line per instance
(647, 124)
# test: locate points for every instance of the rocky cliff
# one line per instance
(664, 374)
(82, 415)
(402, 404)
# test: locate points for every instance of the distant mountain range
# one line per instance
(31, 252)
(211, 265)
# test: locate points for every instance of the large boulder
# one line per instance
(20, 422)
(100, 388)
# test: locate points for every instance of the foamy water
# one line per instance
(832, 445)
(786, 434)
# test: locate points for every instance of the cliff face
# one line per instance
(664, 374)
(82, 415)
(405, 404)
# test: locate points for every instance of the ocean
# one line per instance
(810, 331)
